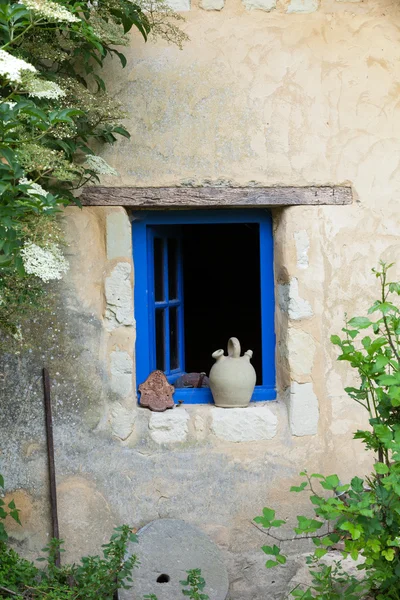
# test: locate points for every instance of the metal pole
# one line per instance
(50, 455)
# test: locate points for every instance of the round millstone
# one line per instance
(168, 548)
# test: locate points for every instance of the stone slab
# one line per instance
(303, 409)
(290, 301)
(119, 297)
(121, 367)
(212, 4)
(169, 427)
(244, 424)
(118, 235)
(302, 6)
(301, 351)
(179, 5)
(170, 547)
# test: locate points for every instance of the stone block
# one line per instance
(212, 4)
(122, 421)
(169, 427)
(303, 409)
(250, 424)
(119, 243)
(291, 303)
(121, 367)
(300, 351)
(303, 6)
(119, 297)
(179, 5)
(266, 5)
(301, 238)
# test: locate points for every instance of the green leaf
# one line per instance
(271, 563)
(277, 523)
(357, 484)
(299, 488)
(389, 554)
(269, 550)
(335, 339)
(268, 513)
(1, 481)
(381, 468)
(360, 322)
(320, 552)
(331, 482)
(281, 559)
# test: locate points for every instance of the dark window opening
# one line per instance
(221, 283)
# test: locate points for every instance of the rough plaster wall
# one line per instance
(254, 98)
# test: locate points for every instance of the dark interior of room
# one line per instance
(221, 274)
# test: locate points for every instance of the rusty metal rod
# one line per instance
(50, 456)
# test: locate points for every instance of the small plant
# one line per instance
(196, 584)
(93, 578)
(364, 515)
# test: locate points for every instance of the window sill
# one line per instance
(204, 396)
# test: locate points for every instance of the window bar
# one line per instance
(166, 310)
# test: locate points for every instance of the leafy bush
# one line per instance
(54, 107)
(93, 578)
(363, 515)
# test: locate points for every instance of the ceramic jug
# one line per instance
(232, 377)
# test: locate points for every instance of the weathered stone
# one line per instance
(303, 6)
(302, 242)
(167, 549)
(119, 242)
(156, 392)
(300, 351)
(212, 4)
(266, 5)
(291, 303)
(169, 427)
(244, 424)
(121, 367)
(303, 409)
(200, 427)
(119, 297)
(179, 5)
(122, 421)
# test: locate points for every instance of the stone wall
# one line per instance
(255, 98)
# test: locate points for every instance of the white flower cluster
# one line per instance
(34, 188)
(41, 88)
(11, 66)
(51, 10)
(99, 165)
(46, 263)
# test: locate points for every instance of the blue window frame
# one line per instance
(159, 302)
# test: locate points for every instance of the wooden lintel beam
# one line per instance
(199, 197)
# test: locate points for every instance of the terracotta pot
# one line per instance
(232, 377)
